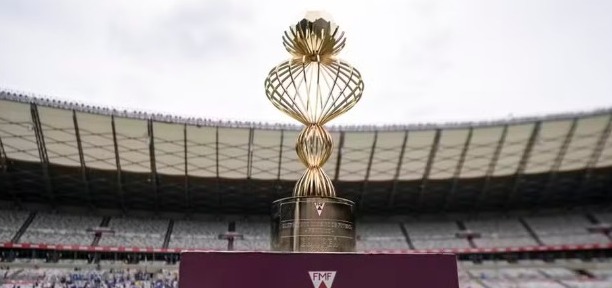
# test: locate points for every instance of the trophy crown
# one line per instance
(315, 38)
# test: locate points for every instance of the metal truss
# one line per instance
(84, 174)
(491, 169)
(186, 167)
(457, 173)
(364, 185)
(556, 165)
(154, 178)
(118, 165)
(520, 171)
(430, 161)
(400, 161)
(593, 160)
(281, 145)
(339, 159)
(4, 163)
(42, 152)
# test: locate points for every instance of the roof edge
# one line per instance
(22, 97)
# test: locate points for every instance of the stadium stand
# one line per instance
(256, 233)
(198, 234)
(605, 217)
(134, 232)
(66, 229)
(565, 229)
(542, 275)
(10, 222)
(381, 235)
(500, 232)
(428, 234)
(494, 231)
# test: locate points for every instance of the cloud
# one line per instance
(200, 30)
(421, 60)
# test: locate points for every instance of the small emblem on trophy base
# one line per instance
(319, 207)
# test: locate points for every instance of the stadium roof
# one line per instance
(70, 154)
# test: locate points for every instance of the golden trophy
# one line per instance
(314, 87)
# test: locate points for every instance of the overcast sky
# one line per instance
(422, 61)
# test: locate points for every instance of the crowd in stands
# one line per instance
(79, 277)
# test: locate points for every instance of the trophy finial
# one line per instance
(315, 38)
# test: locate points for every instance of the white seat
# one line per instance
(63, 229)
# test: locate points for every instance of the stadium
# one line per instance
(96, 195)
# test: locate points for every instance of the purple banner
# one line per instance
(315, 270)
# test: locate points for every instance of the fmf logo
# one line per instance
(319, 207)
(322, 279)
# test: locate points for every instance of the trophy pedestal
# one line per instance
(313, 224)
(316, 270)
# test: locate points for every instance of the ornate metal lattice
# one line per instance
(314, 87)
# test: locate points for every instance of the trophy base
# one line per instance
(313, 224)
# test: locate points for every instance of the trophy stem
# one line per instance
(314, 146)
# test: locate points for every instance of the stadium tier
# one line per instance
(60, 153)
(397, 234)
